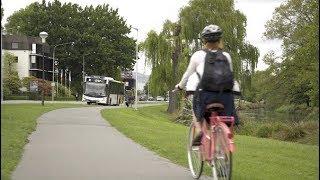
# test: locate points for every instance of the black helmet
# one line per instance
(211, 33)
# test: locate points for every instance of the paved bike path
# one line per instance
(78, 144)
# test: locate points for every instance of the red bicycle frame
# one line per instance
(207, 147)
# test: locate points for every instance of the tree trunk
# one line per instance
(173, 102)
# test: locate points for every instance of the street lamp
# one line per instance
(83, 74)
(53, 64)
(148, 89)
(136, 84)
(43, 36)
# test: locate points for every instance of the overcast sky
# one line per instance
(150, 14)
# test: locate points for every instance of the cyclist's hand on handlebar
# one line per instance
(177, 88)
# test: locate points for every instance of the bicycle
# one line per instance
(217, 144)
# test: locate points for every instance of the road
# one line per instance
(66, 102)
(78, 144)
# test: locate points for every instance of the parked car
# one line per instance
(151, 98)
(160, 98)
(142, 98)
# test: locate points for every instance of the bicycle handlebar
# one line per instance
(175, 90)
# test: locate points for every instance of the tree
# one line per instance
(146, 88)
(1, 15)
(296, 23)
(164, 52)
(200, 13)
(1, 12)
(158, 53)
(170, 50)
(100, 34)
(11, 81)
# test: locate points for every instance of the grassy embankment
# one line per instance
(294, 123)
(17, 122)
(255, 158)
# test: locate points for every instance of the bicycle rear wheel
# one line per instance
(222, 160)
(194, 155)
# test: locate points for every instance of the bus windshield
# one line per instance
(95, 89)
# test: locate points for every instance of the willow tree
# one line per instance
(200, 13)
(169, 51)
(249, 56)
(163, 51)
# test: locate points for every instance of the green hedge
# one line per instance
(38, 97)
(306, 132)
(16, 97)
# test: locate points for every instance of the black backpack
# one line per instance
(217, 74)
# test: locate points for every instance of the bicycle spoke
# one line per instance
(194, 157)
(222, 157)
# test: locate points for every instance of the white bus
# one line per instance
(103, 90)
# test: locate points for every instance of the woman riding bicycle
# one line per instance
(211, 36)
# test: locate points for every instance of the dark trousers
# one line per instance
(202, 98)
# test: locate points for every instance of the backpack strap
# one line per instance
(199, 84)
(198, 75)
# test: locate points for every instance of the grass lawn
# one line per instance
(17, 122)
(255, 158)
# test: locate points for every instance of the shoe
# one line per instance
(197, 140)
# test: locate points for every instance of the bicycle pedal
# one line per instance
(195, 148)
(220, 157)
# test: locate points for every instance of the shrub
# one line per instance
(286, 108)
(294, 133)
(11, 81)
(265, 131)
(62, 90)
(248, 126)
(42, 84)
(280, 131)
(311, 129)
(313, 115)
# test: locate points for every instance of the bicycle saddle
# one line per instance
(215, 107)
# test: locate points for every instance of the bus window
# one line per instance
(116, 88)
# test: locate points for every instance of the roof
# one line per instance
(24, 41)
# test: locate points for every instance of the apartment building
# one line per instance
(28, 53)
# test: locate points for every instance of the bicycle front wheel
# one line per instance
(222, 160)
(194, 155)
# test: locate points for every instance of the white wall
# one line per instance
(23, 62)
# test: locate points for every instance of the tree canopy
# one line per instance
(169, 51)
(99, 33)
(296, 23)
(294, 75)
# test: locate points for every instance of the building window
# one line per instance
(15, 45)
(33, 59)
(34, 48)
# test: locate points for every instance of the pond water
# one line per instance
(264, 115)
